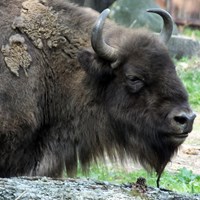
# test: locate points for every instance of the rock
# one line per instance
(43, 188)
(180, 46)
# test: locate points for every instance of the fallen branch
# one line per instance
(43, 188)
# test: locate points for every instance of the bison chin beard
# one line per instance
(152, 149)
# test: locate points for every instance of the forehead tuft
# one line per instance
(139, 42)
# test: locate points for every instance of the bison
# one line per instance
(76, 87)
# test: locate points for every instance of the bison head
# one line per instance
(145, 100)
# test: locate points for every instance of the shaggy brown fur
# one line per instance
(72, 106)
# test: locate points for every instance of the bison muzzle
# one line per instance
(76, 87)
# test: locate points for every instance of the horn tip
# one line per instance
(107, 11)
(168, 23)
(158, 10)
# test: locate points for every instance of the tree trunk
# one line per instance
(42, 188)
(98, 5)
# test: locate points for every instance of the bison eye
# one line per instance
(134, 84)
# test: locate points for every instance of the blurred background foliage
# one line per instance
(133, 14)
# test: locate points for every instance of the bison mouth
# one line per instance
(177, 137)
(181, 136)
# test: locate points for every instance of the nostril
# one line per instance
(181, 119)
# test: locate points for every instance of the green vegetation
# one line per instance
(194, 33)
(189, 72)
(182, 181)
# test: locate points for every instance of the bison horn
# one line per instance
(98, 44)
(168, 23)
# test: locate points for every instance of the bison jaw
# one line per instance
(153, 148)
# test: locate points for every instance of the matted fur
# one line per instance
(72, 106)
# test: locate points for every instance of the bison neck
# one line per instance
(87, 123)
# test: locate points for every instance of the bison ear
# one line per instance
(94, 65)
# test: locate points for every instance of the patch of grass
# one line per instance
(182, 181)
(191, 32)
(189, 72)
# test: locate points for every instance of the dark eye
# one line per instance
(134, 84)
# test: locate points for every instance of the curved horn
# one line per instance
(168, 23)
(97, 40)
